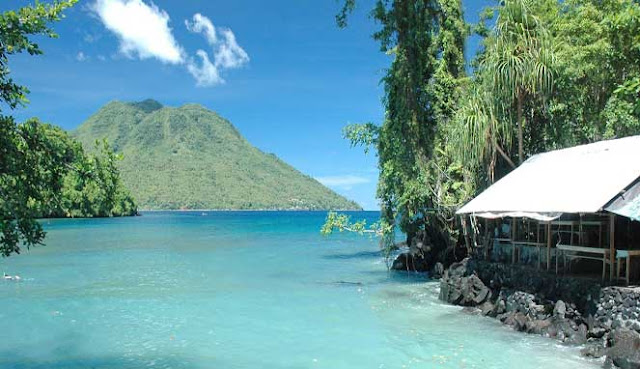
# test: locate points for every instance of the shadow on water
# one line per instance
(355, 255)
(92, 363)
(397, 276)
(69, 351)
(381, 278)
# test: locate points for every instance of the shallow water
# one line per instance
(238, 290)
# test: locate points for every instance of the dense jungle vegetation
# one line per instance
(43, 171)
(549, 74)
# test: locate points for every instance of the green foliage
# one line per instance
(518, 64)
(92, 188)
(381, 229)
(550, 74)
(342, 222)
(420, 182)
(41, 167)
(364, 134)
(191, 158)
(347, 7)
(42, 171)
(15, 29)
(599, 55)
(32, 162)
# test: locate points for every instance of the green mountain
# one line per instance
(191, 158)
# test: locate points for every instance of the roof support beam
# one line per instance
(549, 245)
(612, 244)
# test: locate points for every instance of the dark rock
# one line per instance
(596, 351)
(520, 322)
(539, 326)
(596, 332)
(461, 269)
(508, 318)
(501, 306)
(437, 271)
(408, 261)
(560, 309)
(628, 302)
(487, 308)
(459, 286)
(578, 336)
(625, 349)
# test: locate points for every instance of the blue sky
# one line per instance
(281, 71)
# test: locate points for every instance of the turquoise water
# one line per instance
(238, 290)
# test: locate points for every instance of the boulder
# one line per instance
(594, 350)
(560, 310)
(538, 326)
(625, 349)
(460, 286)
(487, 308)
(437, 271)
(596, 332)
(408, 261)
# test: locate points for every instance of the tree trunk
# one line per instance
(520, 118)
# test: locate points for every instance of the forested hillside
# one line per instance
(191, 158)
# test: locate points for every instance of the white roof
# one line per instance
(581, 179)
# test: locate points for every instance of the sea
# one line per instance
(250, 290)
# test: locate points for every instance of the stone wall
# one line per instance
(570, 309)
(618, 307)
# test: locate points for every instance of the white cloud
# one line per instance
(230, 54)
(205, 74)
(345, 182)
(227, 54)
(143, 29)
(202, 24)
(81, 57)
(144, 32)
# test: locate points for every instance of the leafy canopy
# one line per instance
(41, 166)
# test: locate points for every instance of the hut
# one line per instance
(575, 204)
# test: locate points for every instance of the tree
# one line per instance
(519, 61)
(31, 164)
(422, 88)
(93, 187)
(575, 63)
(598, 60)
(550, 74)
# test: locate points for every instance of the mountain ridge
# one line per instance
(189, 157)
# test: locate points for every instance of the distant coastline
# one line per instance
(248, 210)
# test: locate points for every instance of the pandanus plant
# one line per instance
(516, 66)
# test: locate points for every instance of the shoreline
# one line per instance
(603, 320)
(140, 212)
(251, 210)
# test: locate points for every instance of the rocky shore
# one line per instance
(605, 319)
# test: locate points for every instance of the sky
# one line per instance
(281, 71)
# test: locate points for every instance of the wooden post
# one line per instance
(580, 230)
(513, 240)
(548, 245)
(538, 241)
(465, 232)
(571, 235)
(486, 240)
(628, 269)
(600, 233)
(612, 244)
